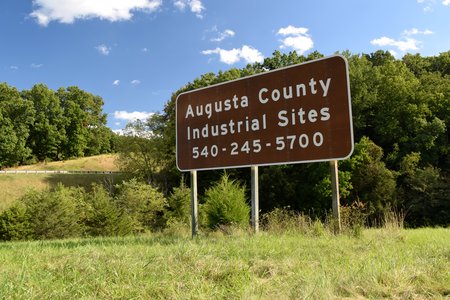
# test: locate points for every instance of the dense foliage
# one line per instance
(128, 208)
(64, 212)
(401, 117)
(43, 125)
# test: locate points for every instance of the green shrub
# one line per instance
(144, 204)
(180, 204)
(103, 217)
(226, 205)
(14, 224)
(55, 214)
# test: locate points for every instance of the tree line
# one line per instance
(45, 125)
(401, 118)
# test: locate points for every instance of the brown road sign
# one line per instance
(296, 114)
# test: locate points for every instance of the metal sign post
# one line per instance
(335, 193)
(255, 199)
(194, 203)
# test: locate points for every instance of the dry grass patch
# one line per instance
(104, 162)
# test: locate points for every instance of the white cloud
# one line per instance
(296, 38)
(247, 53)
(135, 82)
(428, 4)
(132, 116)
(291, 30)
(145, 50)
(251, 55)
(196, 6)
(180, 4)
(36, 66)
(223, 35)
(116, 82)
(103, 49)
(404, 43)
(415, 31)
(67, 11)
(14, 67)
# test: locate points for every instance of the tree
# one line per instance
(8, 142)
(47, 133)
(441, 63)
(280, 60)
(139, 152)
(389, 107)
(16, 118)
(380, 58)
(417, 64)
(372, 182)
(434, 92)
(84, 123)
(425, 192)
(364, 81)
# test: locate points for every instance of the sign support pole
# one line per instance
(255, 199)
(194, 203)
(335, 193)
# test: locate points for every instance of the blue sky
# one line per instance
(136, 53)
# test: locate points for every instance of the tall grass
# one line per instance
(265, 266)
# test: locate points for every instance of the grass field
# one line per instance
(12, 186)
(390, 264)
(105, 162)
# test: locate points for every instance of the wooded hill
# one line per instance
(45, 125)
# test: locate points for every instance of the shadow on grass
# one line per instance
(84, 180)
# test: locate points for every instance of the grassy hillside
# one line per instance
(105, 162)
(15, 185)
(12, 186)
(398, 264)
